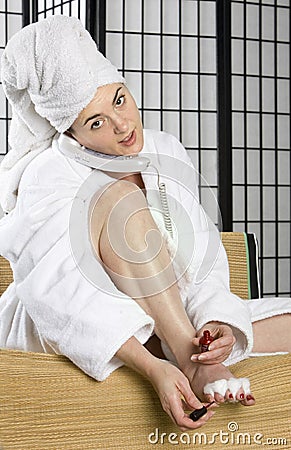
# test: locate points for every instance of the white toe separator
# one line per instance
(233, 384)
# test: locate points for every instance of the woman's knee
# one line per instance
(119, 206)
(118, 193)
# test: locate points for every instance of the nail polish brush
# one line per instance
(197, 413)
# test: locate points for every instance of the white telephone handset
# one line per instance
(126, 164)
(129, 163)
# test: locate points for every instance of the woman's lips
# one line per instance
(130, 139)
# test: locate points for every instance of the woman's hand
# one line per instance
(171, 385)
(176, 395)
(220, 348)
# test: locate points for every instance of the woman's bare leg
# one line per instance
(272, 334)
(150, 273)
(136, 269)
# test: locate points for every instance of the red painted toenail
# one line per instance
(250, 397)
(230, 396)
(242, 396)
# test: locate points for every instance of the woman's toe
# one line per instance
(229, 396)
(240, 396)
(249, 400)
(218, 398)
(208, 398)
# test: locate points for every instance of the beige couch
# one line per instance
(48, 403)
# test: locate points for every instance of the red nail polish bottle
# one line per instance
(205, 341)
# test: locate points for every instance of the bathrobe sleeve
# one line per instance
(73, 316)
(207, 296)
(210, 299)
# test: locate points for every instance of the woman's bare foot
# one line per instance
(199, 375)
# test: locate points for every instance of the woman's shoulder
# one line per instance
(160, 137)
(163, 142)
(50, 167)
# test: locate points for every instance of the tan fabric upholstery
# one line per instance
(235, 247)
(6, 275)
(48, 403)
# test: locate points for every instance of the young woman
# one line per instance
(142, 281)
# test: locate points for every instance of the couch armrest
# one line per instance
(242, 254)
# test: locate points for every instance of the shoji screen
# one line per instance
(10, 23)
(45, 8)
(261, 133)
(166, 50)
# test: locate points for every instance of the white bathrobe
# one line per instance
(52, 307)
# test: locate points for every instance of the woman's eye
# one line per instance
(97, 124)
(120, 100)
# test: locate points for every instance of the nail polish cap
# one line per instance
(206, 338)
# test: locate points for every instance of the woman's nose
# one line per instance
(120, 124)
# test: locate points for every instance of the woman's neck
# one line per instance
(135, 178)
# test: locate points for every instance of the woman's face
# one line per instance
(110, 123)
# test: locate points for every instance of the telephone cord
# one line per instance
(164, 204)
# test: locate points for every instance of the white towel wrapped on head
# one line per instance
(50, 71)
